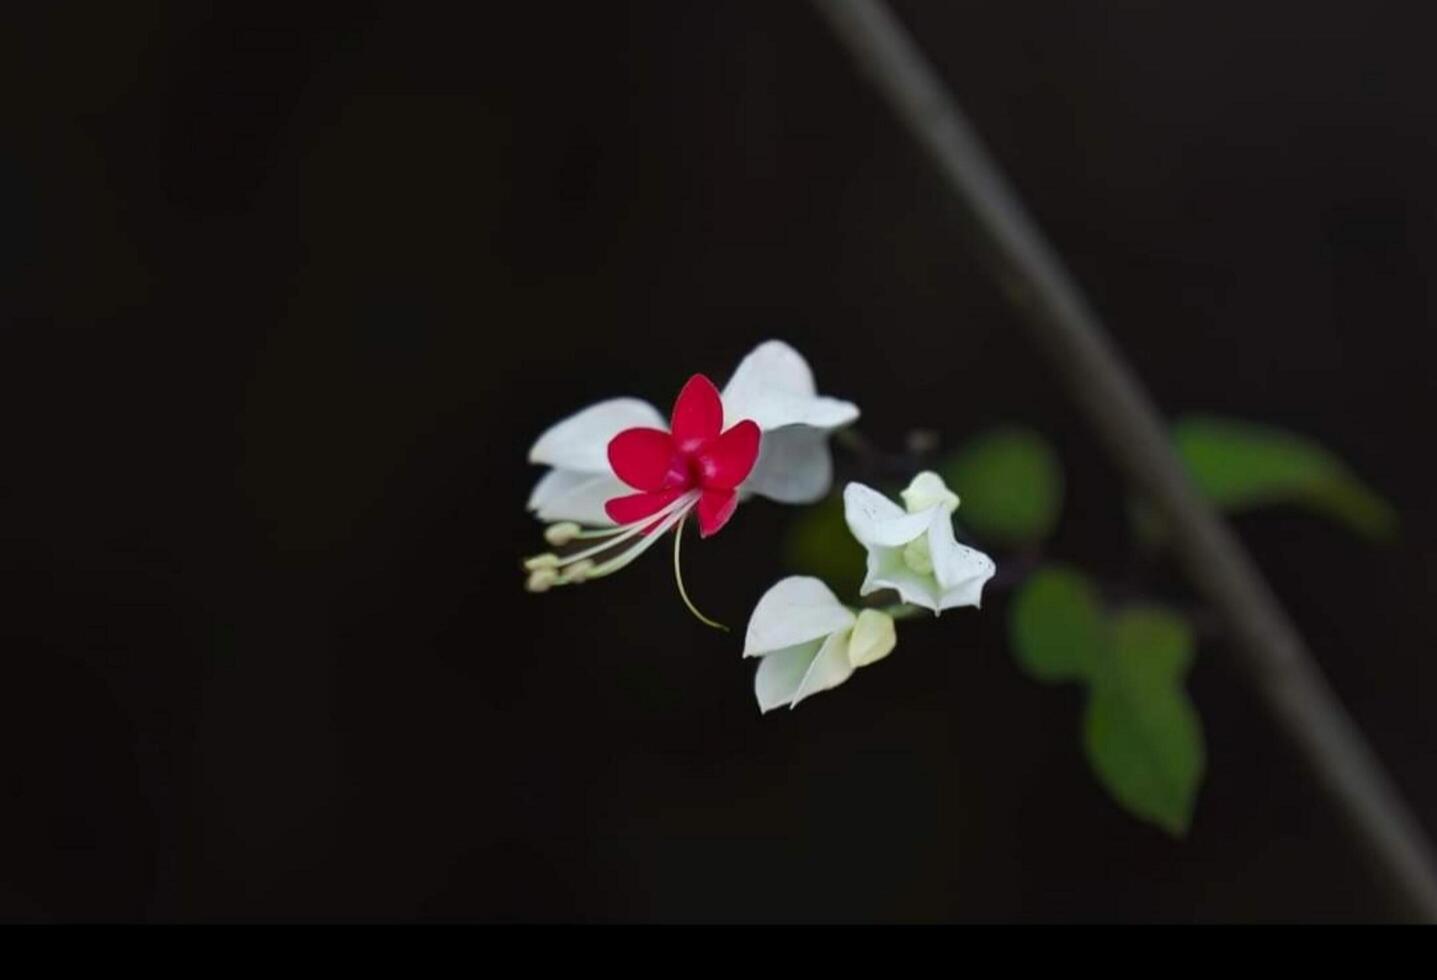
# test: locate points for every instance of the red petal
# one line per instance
(698, 414)
(715, 508)
(645, 459)
(637, 506)
(728, 460)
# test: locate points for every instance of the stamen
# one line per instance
(622, 534)
(595, 532)
(679, 578)
(678, 509)
(576, 572)
(541, 580)
(562, 533)
(548, 570)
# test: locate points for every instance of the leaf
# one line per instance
(1011, 485)
(819, 543)
(1057, 625)
(1241, 465)
(1142, 735)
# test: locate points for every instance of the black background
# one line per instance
(289, 290)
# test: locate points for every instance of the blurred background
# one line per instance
(289, 291)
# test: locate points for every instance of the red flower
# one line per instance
(695, 456)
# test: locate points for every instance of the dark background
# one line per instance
(289, 291)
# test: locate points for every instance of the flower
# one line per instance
(773, 386)
(696, 460)
(810, 642)
(913, 550)
(693, 465)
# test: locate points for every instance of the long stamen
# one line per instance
(562, 533)
(679, 578)
(588, 534)
(619, 535)
(686, 502)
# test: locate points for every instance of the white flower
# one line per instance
(773, 386)
(810, 642)
(914, 550)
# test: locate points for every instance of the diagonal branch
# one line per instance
(1068, 331)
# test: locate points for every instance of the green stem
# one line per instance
(905, 610)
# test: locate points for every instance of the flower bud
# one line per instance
(928, 490)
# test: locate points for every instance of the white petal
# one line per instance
(772, 365)
(829, 669)
(780, 673)
(794, 466)
(567, 495)
(887, 570)
(969, 593)
(581, 441)
(877, 521)
(796, 610)
(774, 386)
(553, 485)
(961, 571)
(872, 638)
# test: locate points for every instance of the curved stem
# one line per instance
(1066, 328)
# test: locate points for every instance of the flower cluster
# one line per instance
(620, 478)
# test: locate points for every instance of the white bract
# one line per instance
(912, 549)
(810, 642)
(773, 386)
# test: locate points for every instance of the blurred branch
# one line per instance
(1067, 330)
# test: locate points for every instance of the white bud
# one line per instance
(928, 490)
(872, 638)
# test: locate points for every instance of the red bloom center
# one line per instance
(696, 454)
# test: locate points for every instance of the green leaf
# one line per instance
(1011, 485)
(1142, 735)
(1241, 465)
(1057, 625)
(819, 543)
